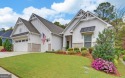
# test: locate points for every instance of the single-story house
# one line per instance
(83, 30)
(6, 35)
(38, 34)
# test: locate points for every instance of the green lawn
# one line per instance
(1, 47)
(46, 65)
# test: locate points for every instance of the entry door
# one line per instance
(87, 41)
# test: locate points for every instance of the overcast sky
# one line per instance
(53, 10)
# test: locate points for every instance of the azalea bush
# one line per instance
(84, 52)
(83, 48)
(3, 50)
(103, 65)
(91, 49)
(76, 50)
(70, 49)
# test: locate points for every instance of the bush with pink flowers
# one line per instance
(3, 50)
(103, 65)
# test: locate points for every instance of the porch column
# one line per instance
(64, 43)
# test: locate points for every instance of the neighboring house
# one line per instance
(36, 35)
(83, 30)
(6, 35)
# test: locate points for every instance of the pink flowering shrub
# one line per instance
(103, 65)
(3, 50)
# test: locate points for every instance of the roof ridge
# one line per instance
(51, 26)
(46, 20)
(29, 28)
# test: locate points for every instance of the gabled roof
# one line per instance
(1, 32)
(52, 27)
(29, 25)
(84, 17)
(79, 12)
(7, 34)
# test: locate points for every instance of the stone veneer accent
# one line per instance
(79, 45)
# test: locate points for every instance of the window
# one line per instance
(19, 41)
(23, 40)
(87, 41)
(16, 41)
(26, 40)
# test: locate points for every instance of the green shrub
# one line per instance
(7, 45)
(0, 41)
(76, 50)
(71, 52)
(70, 49)
(124, 58)
(83, 48)
(115, 61)
(123, 52)
(105, 46)
(116, 57)
(91, 49)
(84, 52)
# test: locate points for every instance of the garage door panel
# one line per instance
(21, 47)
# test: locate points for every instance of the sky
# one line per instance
(53, 10)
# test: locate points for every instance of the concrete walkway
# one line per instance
(9, 54)
(122, 61)
(4, 73)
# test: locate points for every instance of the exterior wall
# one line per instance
(79, 38)
(34, 40)
(42, 29)
(56, 42)
(22, 27)
(67, 32)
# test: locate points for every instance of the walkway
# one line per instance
(6, 74)
(9, 54)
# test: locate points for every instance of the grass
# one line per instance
(1, 47)
(46, 65)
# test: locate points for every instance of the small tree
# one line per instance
(0, 41)
(7, 45)
(105, 45)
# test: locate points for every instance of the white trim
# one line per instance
(107, 24)
(72, 21)
(42, 23)
(17, 25)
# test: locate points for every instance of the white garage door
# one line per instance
(21, 47)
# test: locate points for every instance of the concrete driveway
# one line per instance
(9, 54)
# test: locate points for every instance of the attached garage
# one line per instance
(23, 45)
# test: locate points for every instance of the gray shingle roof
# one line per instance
(88, 29)
(52, 27)
(1, 32)
(7, 34)
(30, 26)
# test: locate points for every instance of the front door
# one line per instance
(87, 40)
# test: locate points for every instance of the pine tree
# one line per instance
(0, 41)
(105, 45)
(7, 45)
